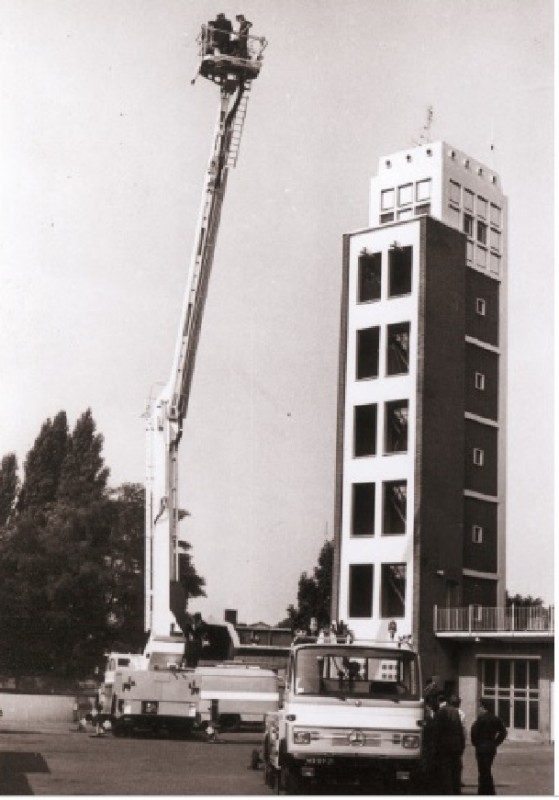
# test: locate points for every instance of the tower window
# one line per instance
(495, 263)
(396, 430)
(405, 194)
(468, 225)
(454, 193)
(365, 430)
(482, 207)
(369, 268)
(387, 197)
(481, 257)
(477, 534)
(480, 306)
(478, 457)
(360, 590)
(495, 212)
(395, 494)
(468, 200)
(399, 271)
(481, 232)
(368, 353)
(423, 190)
(398, 349)
(495, 239)
(393, 590)
(363, 509)
(479, 381)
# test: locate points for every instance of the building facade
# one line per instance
(420, 487)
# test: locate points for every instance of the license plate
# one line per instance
(402, 776)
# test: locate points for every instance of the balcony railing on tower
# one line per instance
(485, 619)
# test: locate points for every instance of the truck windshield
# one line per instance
(357, 672)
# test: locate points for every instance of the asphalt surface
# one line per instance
(57, 760)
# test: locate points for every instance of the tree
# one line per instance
(83, 476)
(9, 484)
(72, 557)
(521, 601)
(43, 465)
(315, 592)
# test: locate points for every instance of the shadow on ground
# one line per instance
(14, 768)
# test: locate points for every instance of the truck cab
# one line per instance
(351, 713)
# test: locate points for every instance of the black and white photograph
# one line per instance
(276, 397)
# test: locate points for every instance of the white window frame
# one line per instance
(403, 191)
(457, 187)
(481, 306)
(387, 199)
(495, 215)
(479, 381)
(423, 190)
(478, 456)
(477, 534)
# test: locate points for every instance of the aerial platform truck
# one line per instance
(162, 692)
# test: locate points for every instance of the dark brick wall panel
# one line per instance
(481, 479)
(438, 531)
(479, 591)
(484, 328)
(481, 557)
(482, 403)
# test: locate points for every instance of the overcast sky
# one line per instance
(103, 149)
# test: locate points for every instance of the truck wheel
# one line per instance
(269, 777)
(288, 780)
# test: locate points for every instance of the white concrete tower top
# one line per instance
(439, 180)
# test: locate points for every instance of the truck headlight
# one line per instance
(410, 741)
(302, 737)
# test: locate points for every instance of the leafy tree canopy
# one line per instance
(314, 592)
(43, 465)
(71, 556)
(9, 484)
(522, 601)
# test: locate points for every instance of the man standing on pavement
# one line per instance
(449, 743)
(487, 733)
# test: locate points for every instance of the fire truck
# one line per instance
(159, 692)
(351, 714)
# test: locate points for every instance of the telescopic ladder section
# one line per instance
(237, 129)
(165, 423)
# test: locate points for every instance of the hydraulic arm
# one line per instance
(164, 604)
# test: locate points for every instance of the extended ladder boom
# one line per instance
(164, 607)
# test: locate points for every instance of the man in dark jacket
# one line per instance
(487, 733)
(222, 29)
(449, 743)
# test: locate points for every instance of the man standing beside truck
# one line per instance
(487, 733)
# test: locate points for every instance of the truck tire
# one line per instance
(289, 782)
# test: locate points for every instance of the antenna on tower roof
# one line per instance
(492, 147)
(425, 136)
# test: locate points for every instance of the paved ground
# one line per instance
(519, 769)
(56, 760)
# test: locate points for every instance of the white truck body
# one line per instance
(234, 694)
(351, 713)
(154, 701)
